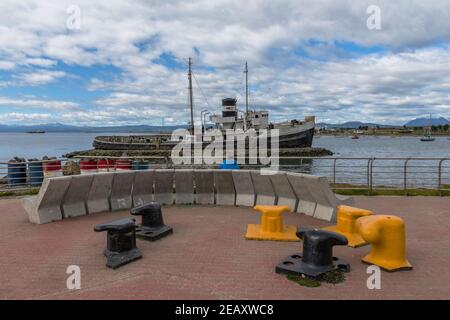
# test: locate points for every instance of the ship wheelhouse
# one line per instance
(233, 118)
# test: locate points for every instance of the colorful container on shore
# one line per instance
(35, 173)
(52, 168)
(123, 164)
(229, 164)
(106, 165)
(17, 173)
(140, 165)
(88, 166)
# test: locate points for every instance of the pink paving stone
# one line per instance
(207, 257)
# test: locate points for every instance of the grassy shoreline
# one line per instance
(364, 191)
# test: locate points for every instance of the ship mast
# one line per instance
(191, 103)
(246, 90)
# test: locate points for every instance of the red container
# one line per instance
(52, 168)
(123, 164)
(105, 165)
(88, 166)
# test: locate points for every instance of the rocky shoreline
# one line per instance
(160, 156)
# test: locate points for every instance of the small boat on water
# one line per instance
(355, 137)
(37, 131)
(427, 137)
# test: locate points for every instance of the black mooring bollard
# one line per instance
(317, 256)
(121, 242)
(152, 227)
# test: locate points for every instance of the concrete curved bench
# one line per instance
(73, 196)
(46, 206)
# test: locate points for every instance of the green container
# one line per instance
(17, 173)
(140, 165)
(35, 173)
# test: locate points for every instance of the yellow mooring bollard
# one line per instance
(387, 236)
(346, 224)
(271, 227)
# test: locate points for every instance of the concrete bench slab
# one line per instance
(74, 203)
(184, 186)
(98, 198)
(265, 194)
(121, 190)
(327, 201)
(164, 186)
(224, 186)
(243, 184)
(300, 184)
(283, 190)
(143, 187)
(204, 186)
(46, 206)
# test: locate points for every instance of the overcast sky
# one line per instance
(124, 62)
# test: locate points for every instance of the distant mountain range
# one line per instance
(423, 122)
(419, 122)
(353, 125)
(59, 127)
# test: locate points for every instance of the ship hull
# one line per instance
(302, 139)
(293, 137)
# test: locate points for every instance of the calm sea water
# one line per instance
(419, 173)
(424, 173)
(56, 144)
(37, 145)
(371, 146)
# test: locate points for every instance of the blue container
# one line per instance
(17, 173)
(229, 164)
(139, 165)
(35, 174)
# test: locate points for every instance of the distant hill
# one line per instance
(424, 122)
(59, 127)
(353, 125)
(419, 122)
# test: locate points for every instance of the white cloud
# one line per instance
(38, 103)
(6, 65)
(20, 118)
(225, 31)
(40, 62)
(40, 77)
(409, 80)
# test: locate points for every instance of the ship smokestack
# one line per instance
(229, 107)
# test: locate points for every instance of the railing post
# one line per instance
(370, 176)
(167, 162)
(334, 171)
(405, 182)
(440, 177)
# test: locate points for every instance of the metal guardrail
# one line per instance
(394, 173)
(384, 173)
